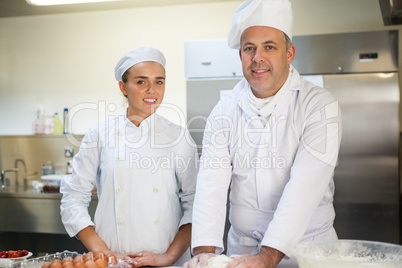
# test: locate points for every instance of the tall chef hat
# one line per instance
(135, 56)
(272, 13)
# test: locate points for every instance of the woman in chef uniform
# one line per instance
(144, 167)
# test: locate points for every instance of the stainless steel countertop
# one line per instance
(30, 193)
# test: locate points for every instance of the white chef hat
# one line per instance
(135, 56)
(272, 13)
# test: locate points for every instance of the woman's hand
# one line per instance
(147, 258)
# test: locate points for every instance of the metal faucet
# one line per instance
(3, 177)
(25, 171)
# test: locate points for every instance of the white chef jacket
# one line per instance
(145, 178)
(280, 174)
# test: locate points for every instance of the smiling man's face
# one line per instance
(265, 60)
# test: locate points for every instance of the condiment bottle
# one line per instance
(57, 125)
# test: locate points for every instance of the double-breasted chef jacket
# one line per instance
(280, 173)
(145, 178)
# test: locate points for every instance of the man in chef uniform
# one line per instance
(274, 142)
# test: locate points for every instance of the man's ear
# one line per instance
(291, 53)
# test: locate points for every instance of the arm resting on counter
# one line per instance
(180, 244)
(204, 249)
(92, 241)
(270, 256)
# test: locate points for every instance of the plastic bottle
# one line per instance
(38, 125)
(65, 121)
(57, 125)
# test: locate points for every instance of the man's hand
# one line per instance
(201, 257)
(266, 258)
(247, 260)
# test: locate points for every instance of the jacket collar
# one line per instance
(292, 83)
(144, 125)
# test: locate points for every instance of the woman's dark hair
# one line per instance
(124, 77)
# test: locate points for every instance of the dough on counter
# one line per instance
(219, 261)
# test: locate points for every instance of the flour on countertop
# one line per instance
(219, 261)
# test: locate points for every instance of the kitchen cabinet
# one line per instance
(32, 221)
(211, 58)
(33, 212)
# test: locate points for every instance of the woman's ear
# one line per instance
(122, 88)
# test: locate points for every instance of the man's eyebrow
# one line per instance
(264, 43)
(248, 44)
(269, 42)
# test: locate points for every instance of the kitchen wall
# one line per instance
(67, 60)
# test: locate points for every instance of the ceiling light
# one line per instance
(62, 2)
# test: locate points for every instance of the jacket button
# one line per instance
(120, 223)
(156, 190)
(156, 222)
(118, 190)
(119, 133)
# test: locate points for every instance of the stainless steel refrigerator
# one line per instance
(361, 71)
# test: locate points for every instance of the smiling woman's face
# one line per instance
(144, 88)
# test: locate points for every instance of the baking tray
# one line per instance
(38, 262)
